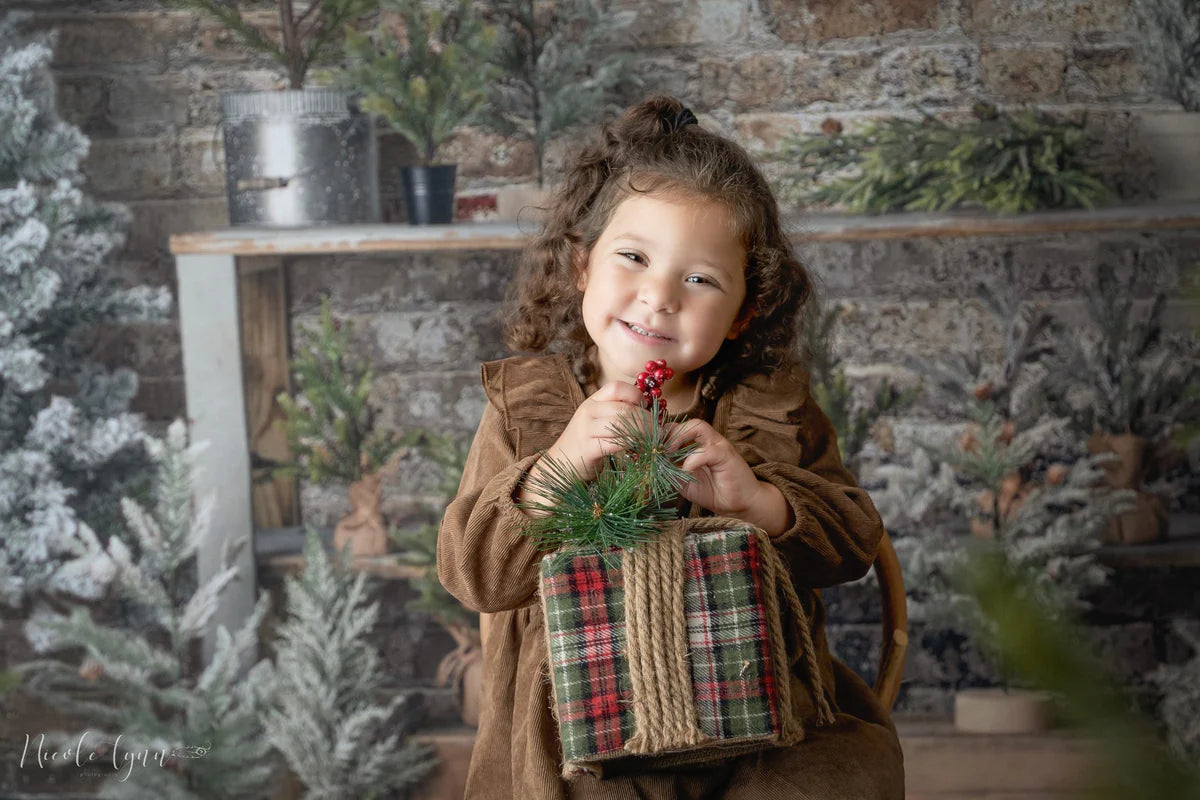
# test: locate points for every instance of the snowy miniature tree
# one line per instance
(140, 677)
(1023, 488)
(853, 416)
(1180, 685)
(69, 449)
(323, 711)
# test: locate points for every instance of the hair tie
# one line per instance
(682, 117)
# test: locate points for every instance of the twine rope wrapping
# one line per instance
(660, 672)
(783, 577)
(656, 646)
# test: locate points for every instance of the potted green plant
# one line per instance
(1171, 48)
(332, 431)
(558, 69)
(1001, 162)
(424, 86)
(297, 156)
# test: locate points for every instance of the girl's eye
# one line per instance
(631, 256)
(701, 279)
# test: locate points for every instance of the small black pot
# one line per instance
(429, 193)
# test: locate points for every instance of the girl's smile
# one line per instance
(666, 279)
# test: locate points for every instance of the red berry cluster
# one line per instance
(651, 382)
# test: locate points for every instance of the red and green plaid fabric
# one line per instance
(733, 676)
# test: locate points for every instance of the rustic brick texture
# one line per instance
(143, 80)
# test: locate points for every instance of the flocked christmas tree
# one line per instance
(323, 710)
(1180, 685)
(69, 449)
(1024, 489)
(1125, 373)
(141, 678)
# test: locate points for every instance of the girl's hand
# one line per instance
(586, 440)
(723, 482)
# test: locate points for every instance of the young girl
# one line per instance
(664, 242)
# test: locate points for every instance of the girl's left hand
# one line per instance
(723, 481)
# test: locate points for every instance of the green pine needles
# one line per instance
(435, 80)
(308, 32)
(1001, 162)
(631, 498)
(331, 425)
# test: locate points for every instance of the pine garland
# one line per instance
(1001, 162)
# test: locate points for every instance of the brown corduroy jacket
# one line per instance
(486, 563)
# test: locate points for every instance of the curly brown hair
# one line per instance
(647, 151)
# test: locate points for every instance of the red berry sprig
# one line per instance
(651, 382)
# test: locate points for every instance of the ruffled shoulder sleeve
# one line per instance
(534, 397)
(765, 417)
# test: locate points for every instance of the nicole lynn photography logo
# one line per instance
(96, 756)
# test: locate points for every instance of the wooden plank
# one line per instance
(804, 228)
(352, 239)
(263, 288)
(209, 332)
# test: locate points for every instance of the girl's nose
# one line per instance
(660, 294)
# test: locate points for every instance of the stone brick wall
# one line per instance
(143, 81)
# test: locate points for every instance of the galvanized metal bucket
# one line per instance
(299, 157)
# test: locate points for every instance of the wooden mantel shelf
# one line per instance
(814, 228)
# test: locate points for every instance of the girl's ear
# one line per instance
(741, 323)
(579, 267)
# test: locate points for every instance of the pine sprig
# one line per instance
(331, 425)
(658, 454)
(628, 502)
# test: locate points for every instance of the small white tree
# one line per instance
(140, 677)
(322, 697)
(68, 448)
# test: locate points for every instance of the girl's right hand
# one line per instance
(587, 438)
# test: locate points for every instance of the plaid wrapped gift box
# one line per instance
(672, 646)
